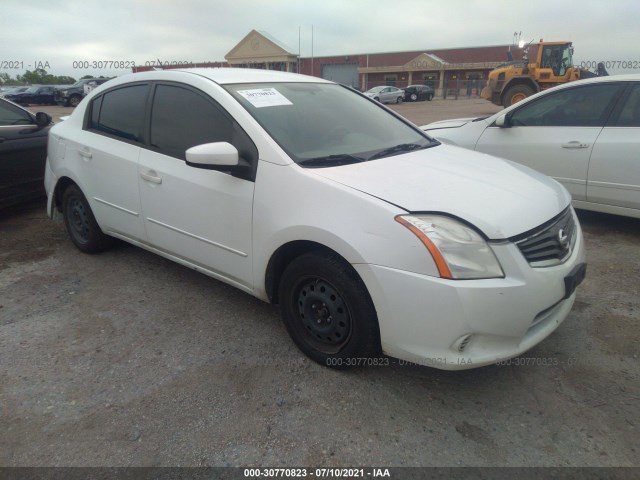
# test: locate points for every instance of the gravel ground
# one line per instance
(127, 359)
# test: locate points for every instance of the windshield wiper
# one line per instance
(403, 147)
(331, 160)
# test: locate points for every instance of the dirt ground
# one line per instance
(128, 359)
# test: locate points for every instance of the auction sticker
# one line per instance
(264, 97)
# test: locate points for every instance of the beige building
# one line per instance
(260, 50)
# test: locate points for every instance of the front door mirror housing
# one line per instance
(43, 119)
(221, 156)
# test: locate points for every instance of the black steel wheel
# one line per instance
(327, 310)
(81, 224)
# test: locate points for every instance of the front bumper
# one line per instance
(461, 324)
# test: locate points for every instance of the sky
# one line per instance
(62, 36)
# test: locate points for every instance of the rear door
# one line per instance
(106, 158)
(614, 170)
(555, 134)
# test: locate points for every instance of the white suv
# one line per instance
(373, 237)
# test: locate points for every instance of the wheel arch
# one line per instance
(284, 254)
(58, 192)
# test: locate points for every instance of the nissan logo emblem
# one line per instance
(563, 238)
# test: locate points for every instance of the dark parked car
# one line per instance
(414, 93)
(23, 153)
(37, 95)
(71, 96)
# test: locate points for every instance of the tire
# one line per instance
(430, 97)
(74, 100)
(516, 94)
(377, 99)
(327, 310)
(414, 97)
(399, 100)
(81, 224)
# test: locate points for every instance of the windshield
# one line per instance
(321, 125)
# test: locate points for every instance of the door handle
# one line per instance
(85, 154)
(575, 144)
(149, 177)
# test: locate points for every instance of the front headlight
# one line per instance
(458, 250)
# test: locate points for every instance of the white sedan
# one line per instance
(585, 134)
(372, 237)
(386, 94)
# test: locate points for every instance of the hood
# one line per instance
(499, 197)
(453, 123)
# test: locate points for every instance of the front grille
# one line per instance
(551, 243)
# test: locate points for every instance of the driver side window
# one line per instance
(10, 115)
(587, 106)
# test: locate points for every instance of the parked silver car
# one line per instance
(386, 94)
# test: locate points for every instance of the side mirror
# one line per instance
(502, 121)
(220, 156)
(43, 119)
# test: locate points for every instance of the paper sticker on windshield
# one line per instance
(264, 97)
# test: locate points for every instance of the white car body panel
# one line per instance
(230, 228)
(457, 186)
(561, 152)
(201, 215)
(614, 169)
(598, 165)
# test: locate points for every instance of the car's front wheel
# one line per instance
(327, 310)
(414, 97)
(74, 100)
(81, 224)
(430, 97)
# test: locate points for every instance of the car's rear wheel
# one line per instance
(414, 97)
(430, 97)
(81, 224)
(327, 310)
(399, 100)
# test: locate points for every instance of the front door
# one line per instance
(201, 216)
(555, 134)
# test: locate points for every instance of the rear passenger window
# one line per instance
(120, 112)
(630, 114)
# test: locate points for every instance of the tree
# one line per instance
(40, 77)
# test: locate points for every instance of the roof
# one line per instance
(276, 41)
(224, 76)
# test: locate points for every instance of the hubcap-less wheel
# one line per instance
(79, 220)
(323, 315)
(81, 224)
(327, 310)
